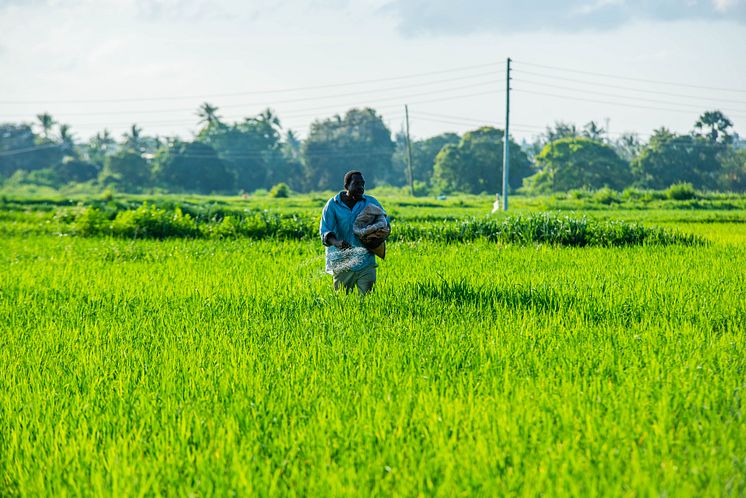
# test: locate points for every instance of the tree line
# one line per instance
(258, 153)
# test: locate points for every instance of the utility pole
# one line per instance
(506, 140)
(409, 153)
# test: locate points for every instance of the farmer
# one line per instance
(347, 259)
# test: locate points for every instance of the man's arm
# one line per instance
(327, 227)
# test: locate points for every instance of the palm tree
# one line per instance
(208, 114)
(714, 125)
(133, 138)
(46, 122)
(593, 131)
(100, 146)
(269, 117)
(293, 144)
(67, 139)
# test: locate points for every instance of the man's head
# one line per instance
(355, 184)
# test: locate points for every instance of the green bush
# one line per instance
(681, 192)
(632, 194)
(653, 195)
(281, 190)
(606, 196)
(578, 193)
(89, 222)
(148, 221)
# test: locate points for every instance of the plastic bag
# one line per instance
(372, 229)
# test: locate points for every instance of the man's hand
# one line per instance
(339, 244)
(342, 245)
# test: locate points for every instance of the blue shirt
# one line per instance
(338, 219)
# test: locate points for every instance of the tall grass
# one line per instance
(201, 351)
(229, 367)
(148, 221)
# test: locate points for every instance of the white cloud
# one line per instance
(724, 5)
(435, 17)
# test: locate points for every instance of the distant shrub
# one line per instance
(653, 195)
(89, 222)
(606, 196)
(681, 192)
(281, 190)
(148, 221)
(578, 193)
(144, 222)
(543, 228)
(107, 195)
(632, 194)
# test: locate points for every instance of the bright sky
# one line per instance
(110, 63)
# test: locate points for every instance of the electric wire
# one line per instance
(604, 94)
(257, 92)
(596, 101)
(628, 78)
(295, 100)
(622, 87)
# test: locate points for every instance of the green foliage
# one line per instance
(127, 170)
(669, 158)
(145, 222)
(579, 162)
(543, 228)
(252, 155)
(606, 196)
(360, 141)
(475, 164)
(192, 367)
(251, 149)
(715, 127)
(76, 170)
(148, 221)
(90, 222)
(153, 223)
(15, 137)
(424, 153)
(281, 190)
(681, 192)
(733, 174)
(192, 167)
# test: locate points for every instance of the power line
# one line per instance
(664, 102)
(312, 111)
(602, 101)
(621, 87)
(628, 78)
(289, 101)
(257, 92)
(25, 150)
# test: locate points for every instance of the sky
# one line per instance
(629, 65)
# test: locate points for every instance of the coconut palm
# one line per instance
(133, 139)
(100, 146)
(269, 117)
(714, 126)
(46, 122)
(67, 139)
(208, 114)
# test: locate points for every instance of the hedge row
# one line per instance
(148, 221)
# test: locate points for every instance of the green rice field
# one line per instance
(222, 364)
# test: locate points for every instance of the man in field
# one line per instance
(347, 258)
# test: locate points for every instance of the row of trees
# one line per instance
(257, 153)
